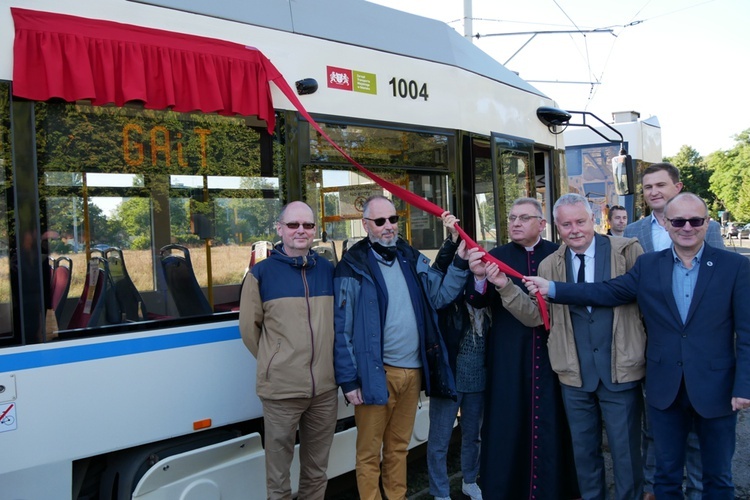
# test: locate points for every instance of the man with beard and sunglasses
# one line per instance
(695, 302)
(387, 340)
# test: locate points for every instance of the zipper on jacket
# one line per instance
(309, 323)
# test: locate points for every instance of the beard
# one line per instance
(385, 241)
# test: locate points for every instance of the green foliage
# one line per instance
(142, 242)
(695, 174)
(730, 180)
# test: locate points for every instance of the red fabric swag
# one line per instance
(75, 58)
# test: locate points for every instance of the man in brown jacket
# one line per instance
(598, 353)
(286, 321)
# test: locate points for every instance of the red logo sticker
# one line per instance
(339, 78)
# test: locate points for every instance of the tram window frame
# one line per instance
(9, 310)
(438, 180)
(265, 155)
(502, 144)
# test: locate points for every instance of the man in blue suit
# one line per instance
(695, 301)
(661, 183)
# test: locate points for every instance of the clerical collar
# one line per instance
(532, 247)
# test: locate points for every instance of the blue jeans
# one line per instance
(442, 416)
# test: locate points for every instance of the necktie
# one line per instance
(582, 269)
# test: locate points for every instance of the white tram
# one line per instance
(139, 171)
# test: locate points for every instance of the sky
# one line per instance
(687, 62)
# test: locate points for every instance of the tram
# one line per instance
(589, 152)
(145, 152)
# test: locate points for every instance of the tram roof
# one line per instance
(388, 30)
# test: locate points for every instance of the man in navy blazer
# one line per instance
(661, 183)
(695, 302)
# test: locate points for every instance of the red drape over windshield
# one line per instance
(75, 58)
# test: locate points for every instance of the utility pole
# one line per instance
(468, 24)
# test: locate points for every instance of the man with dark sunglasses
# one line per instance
(661, 183)
(388, 342)
(286, 321)
(695, 302)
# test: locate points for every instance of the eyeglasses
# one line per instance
(523, 218)
(380, 221)
(694, 222)
(296, 225)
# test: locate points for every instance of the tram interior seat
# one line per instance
(129, 299)
(326, 252)
(60, 285)
(349, 242)
(258, 251)
(182, 283)
(96, 307)
(326, 248)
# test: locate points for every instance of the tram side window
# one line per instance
(6, 295)
(415, 160)
(146, 200)
(590, 175)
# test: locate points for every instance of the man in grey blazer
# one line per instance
(661, 183)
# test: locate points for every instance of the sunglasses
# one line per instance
(296, 225)
(380, 221)
(694, 222)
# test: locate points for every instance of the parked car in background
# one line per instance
(732, 230)
(744, 232)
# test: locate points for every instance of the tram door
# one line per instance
(513, 170)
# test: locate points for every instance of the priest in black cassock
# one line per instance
(526, 446)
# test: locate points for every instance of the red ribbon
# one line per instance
(409, 197)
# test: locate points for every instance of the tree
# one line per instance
(695, 175)
(729, 180)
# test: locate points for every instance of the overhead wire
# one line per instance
(595, 80)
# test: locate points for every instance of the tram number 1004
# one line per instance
(402, 88)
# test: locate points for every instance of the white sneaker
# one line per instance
(471, 490)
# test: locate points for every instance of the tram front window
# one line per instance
(127, 192)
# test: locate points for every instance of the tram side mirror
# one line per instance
(623, 173)
(306, 86)
(553, 117)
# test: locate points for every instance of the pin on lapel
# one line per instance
(709, 263)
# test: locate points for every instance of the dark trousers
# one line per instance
(717, 441)
(621, 413)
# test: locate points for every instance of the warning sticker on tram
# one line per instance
(8, 417)
(352, 80)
